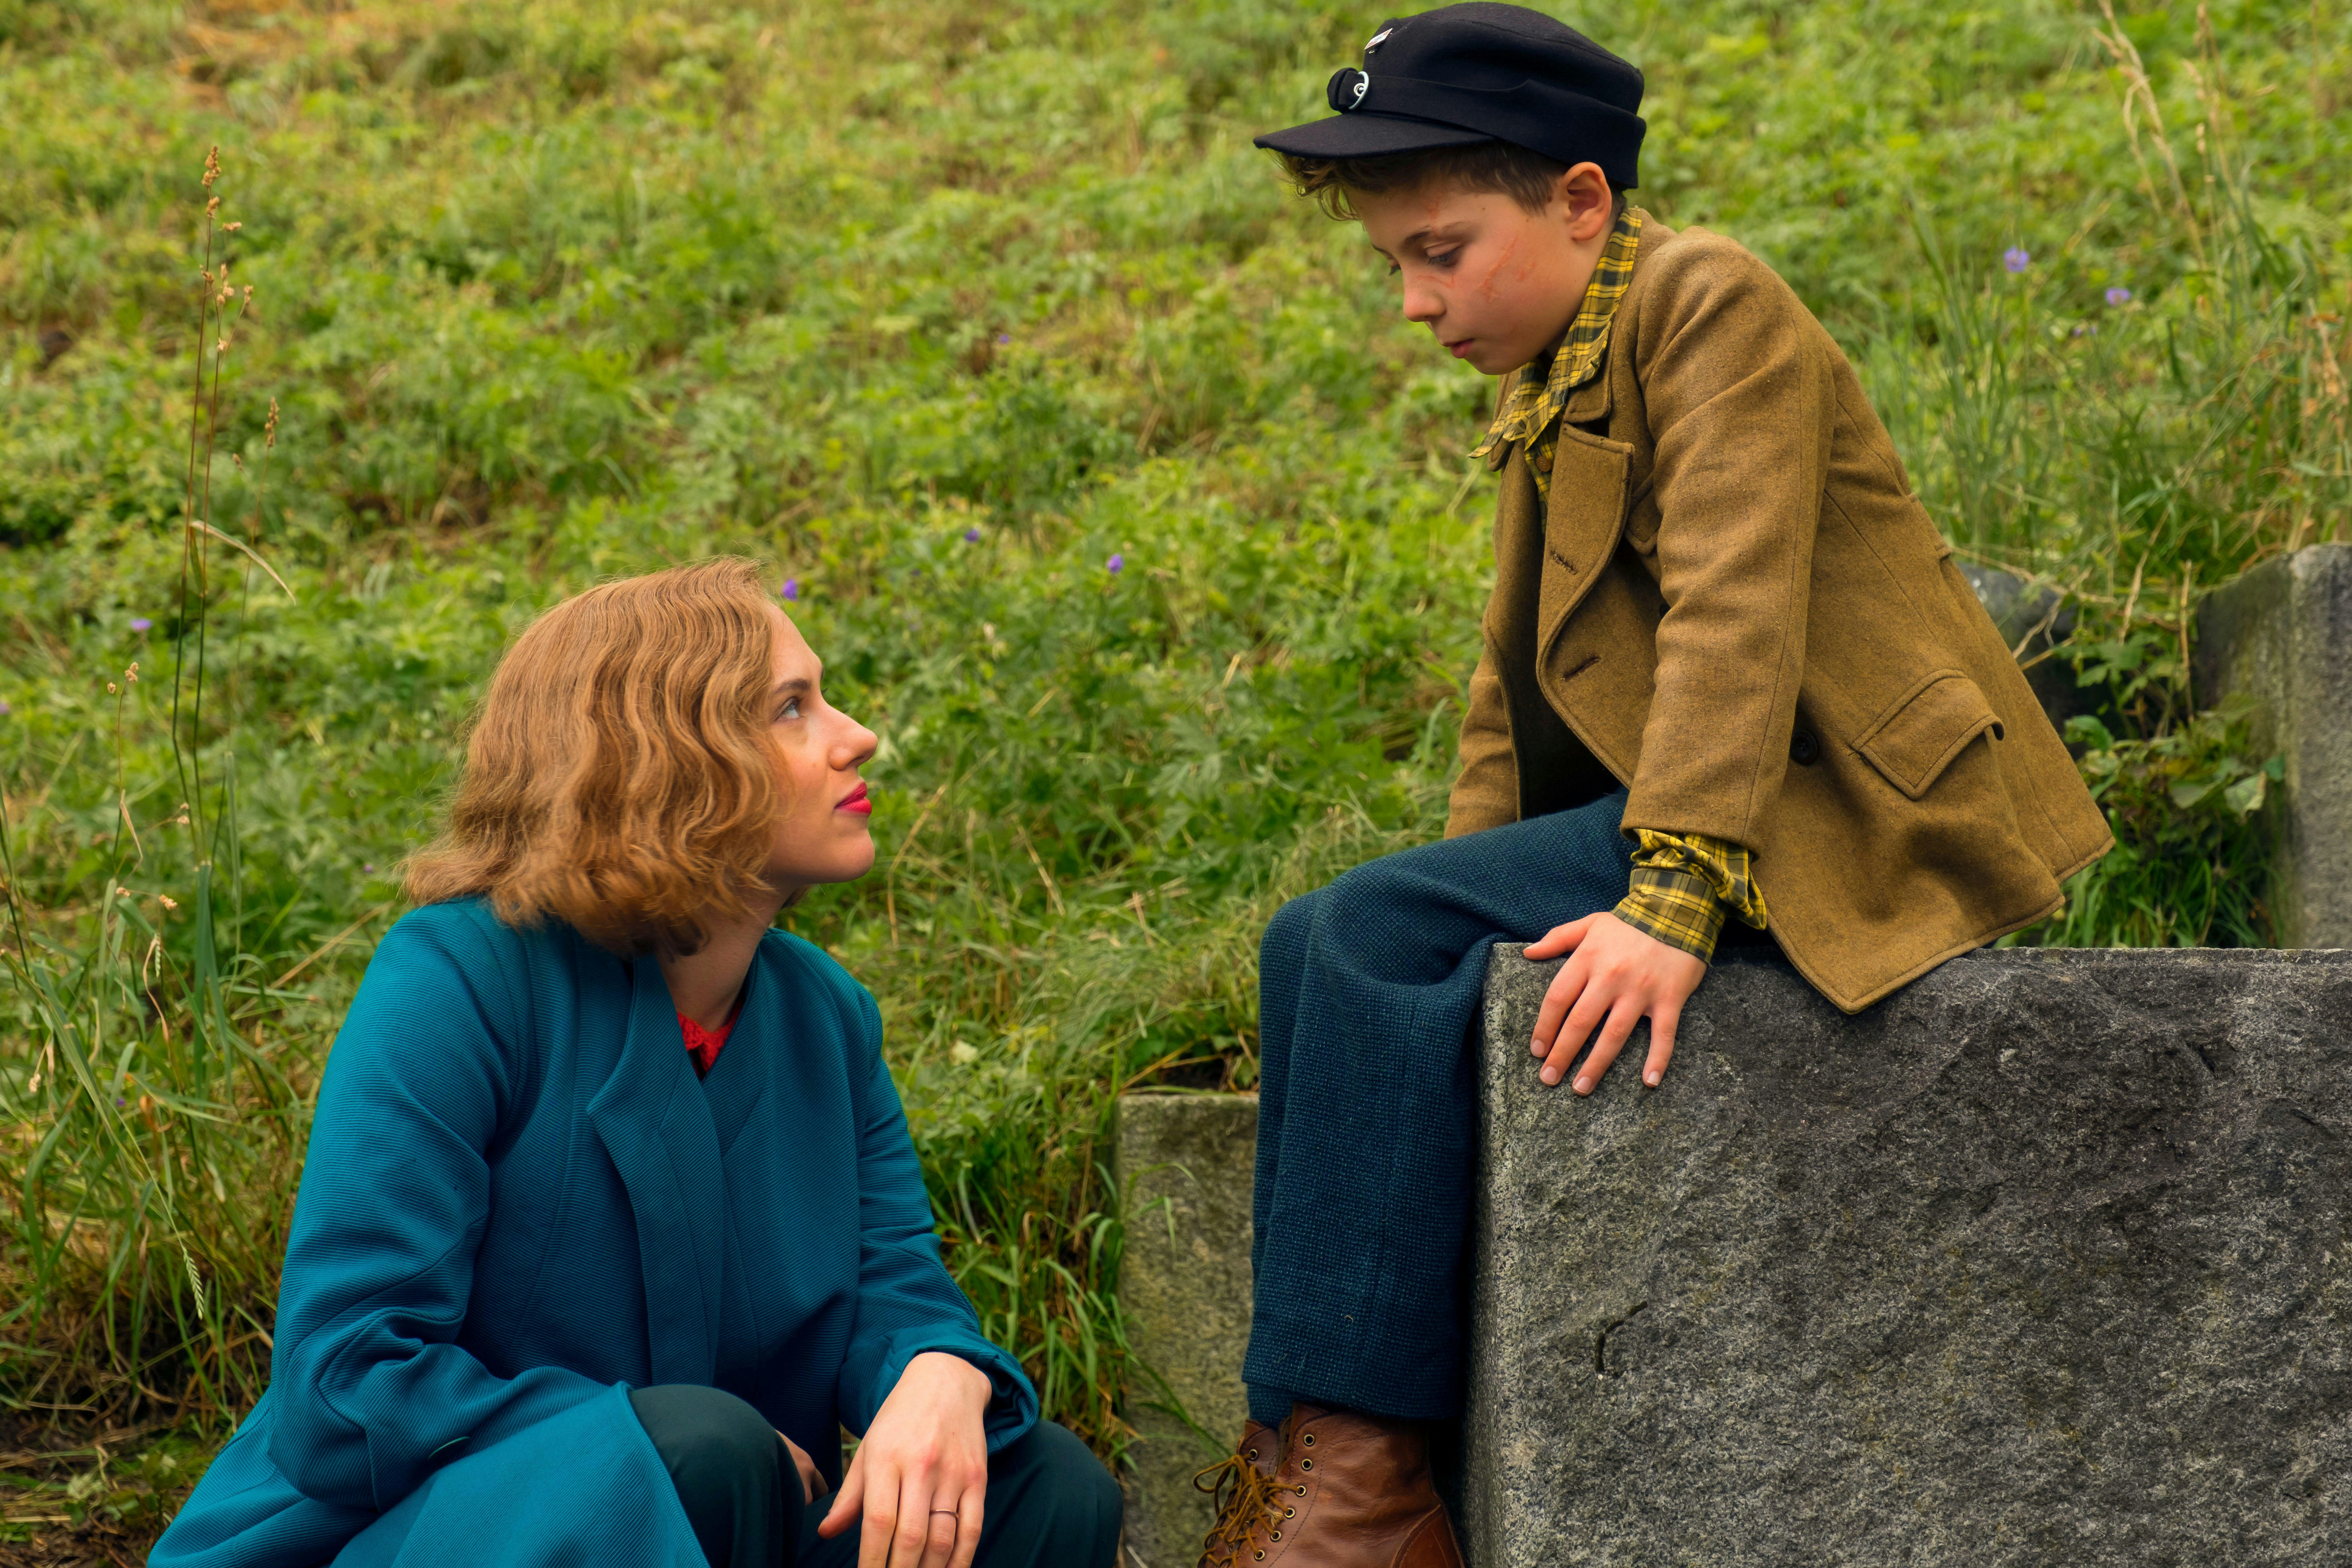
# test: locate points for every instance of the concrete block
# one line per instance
(2046, 1258)
(1185, 1162)
(2282, 634)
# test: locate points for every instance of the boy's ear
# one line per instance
(1583, 195)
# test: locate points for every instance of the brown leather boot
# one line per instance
(1244, 1488)
(1352, 1491)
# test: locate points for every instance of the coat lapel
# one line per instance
(655, 1124)
(1582, 518)
(738, 1081)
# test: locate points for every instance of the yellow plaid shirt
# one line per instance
(1684, 885)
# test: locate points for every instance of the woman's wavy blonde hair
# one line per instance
(620, 776)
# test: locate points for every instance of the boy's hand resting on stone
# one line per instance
(1614, 977)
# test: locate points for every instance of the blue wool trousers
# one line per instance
(1369, 990)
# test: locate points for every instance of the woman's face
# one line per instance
(820, 834)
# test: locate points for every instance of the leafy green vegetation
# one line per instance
(1106, 477)
(2183, 804)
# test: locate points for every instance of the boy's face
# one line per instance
(1496, 283)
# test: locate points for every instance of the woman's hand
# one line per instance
(920, 1476)
(812, 1479)
(1616, 976)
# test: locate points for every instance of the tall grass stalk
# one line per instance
(144, 1266)
(2134, 453)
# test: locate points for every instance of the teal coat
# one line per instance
(519, 1203)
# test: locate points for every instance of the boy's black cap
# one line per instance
(1481, 72)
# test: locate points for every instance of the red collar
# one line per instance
(703, 1043)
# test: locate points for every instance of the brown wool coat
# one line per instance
(1735, 604)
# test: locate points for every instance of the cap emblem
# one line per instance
(1377, 39)
(1347, 89)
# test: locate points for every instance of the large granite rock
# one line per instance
(1186, 1163)
(2281, 635)
(2043, 1259)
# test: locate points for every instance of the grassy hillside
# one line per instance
(1106, 477)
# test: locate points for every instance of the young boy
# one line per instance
(1730, 675)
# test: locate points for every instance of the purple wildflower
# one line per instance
(367, 864)
(4, 708)
(1116, 565)
(2119, 295)
(2017, 259)
(1003, 338)
(972, 536)
(792, 588)
(139, 623)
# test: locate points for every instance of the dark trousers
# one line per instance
(1367, 991)
(1051, 1504)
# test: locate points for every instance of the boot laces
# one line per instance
(1244, 1496)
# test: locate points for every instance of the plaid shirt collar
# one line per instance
(1530, 411)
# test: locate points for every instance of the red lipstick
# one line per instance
(856, 801)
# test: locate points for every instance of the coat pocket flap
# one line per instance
(1913, 741)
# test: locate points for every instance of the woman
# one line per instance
(610, 1221)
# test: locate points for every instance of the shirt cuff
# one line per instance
(1725, 868)
(1675, 906)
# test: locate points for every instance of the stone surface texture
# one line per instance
(2282, 634)
(2042, 1261)
(1185, 1162)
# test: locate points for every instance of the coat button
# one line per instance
(1804, 748)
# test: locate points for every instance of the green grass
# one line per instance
(940, 308)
